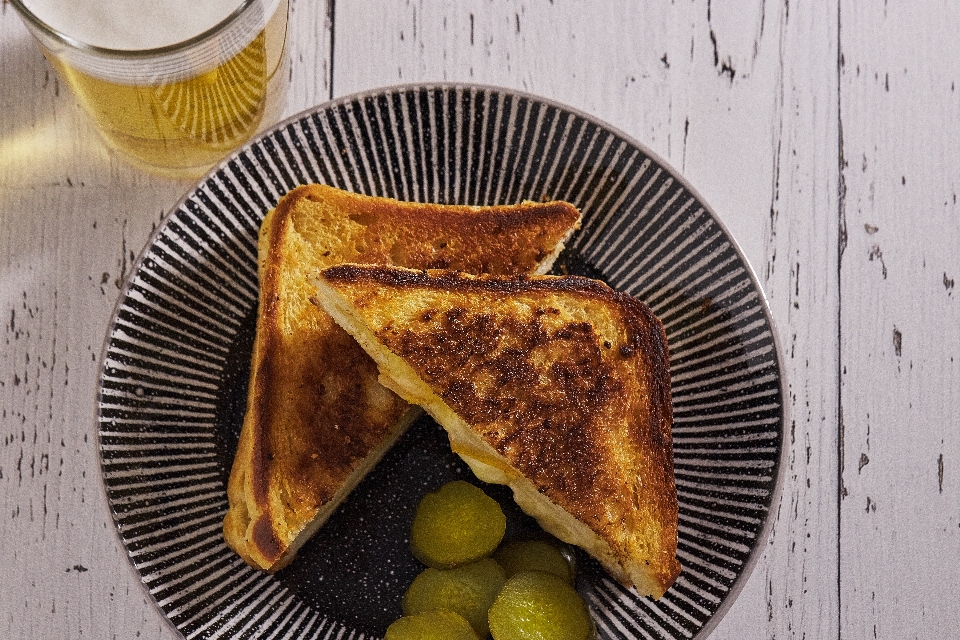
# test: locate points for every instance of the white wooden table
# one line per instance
(825, 134)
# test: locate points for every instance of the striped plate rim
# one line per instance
(646, 231)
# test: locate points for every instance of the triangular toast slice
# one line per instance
(556, 386)
(317, 420)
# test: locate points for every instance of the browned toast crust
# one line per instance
(317, 419)
(533, 366)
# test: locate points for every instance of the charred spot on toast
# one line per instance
(503, 240)
(265, 539)
(340, 417)
(492, 370)
(450, 280)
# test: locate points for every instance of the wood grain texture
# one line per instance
(65, 574)
(742, 100)
(798, 272)
(824, 136)
(900, 355)
(72, 220)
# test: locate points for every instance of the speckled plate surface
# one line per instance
(176, 359)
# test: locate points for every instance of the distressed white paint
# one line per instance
(72, 219)
(748, 99)
(900, 319)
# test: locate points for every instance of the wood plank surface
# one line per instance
(900, 320)
(824, 135)
(72, 220)
(64, 575)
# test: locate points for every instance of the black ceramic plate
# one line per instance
(175, 364)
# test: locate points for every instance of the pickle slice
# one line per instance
(468, 590)
(534, 555)
(535, 605)
(455, 525)
(432, 625)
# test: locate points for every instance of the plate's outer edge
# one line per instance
(645, 230)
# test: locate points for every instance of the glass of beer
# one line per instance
(173, 85)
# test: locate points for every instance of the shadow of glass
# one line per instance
(30, 86)
(44, 135)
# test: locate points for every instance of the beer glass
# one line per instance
(173, 85)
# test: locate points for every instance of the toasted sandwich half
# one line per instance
(556, 386)
(317, 420)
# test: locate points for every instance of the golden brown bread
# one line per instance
(317, 420)
(556, 386)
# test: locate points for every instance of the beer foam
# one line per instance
(132, 24)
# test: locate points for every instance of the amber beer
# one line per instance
(174, 85)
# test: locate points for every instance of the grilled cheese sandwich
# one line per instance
(317, 420)
(556, 386)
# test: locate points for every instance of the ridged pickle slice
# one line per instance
(468, 590)
(431, 625)
(535, 555)
(455, 525)
(536, 605)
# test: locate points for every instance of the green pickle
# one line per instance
(457, 524)
(536, 605)
(468, 590)
(535, 555)
(432, 625)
